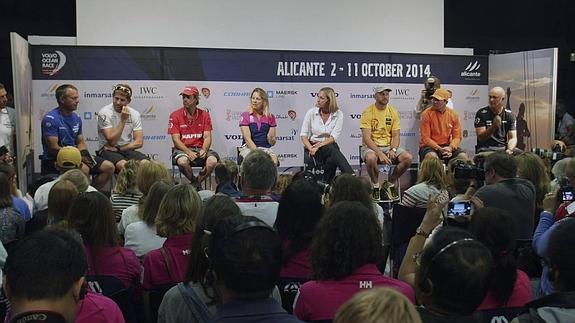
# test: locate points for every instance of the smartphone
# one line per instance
(455, 209)
(567, 196)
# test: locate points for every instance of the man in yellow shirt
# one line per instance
(379, 125)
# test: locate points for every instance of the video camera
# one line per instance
(430, 86)
(469, 172)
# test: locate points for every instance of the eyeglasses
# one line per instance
(124, 89)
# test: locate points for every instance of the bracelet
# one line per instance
(420, 232)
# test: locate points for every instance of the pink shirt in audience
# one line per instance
(155, 268)
(320, 299)
(118, 262)
(96, 308)
(299, 266)
(522, 294)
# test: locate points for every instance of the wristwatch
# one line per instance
(420, 232)
(394, 150)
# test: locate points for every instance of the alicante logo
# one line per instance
(149, 113)
(49, 92)
(473, 95)
(472, 70)
(52, 62)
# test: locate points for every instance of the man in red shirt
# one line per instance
(191, 129)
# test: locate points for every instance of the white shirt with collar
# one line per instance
(316, 130)
(41, 195)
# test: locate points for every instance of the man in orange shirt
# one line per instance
(440, 130)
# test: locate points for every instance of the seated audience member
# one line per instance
(299, 212)
(377, 305)
(61, 194)
(176, 220)
(258, 176)
(141, 236)
(560, 257)
(505, 191)
(148, 174)
(59, 296)
(68, 158)
(245, 260)
(451, 275)
(126, 193)
(431, 181)
(510, 287)
(92, 216)
(11, 221)
(531, 167)
(226, 174)
(281, 184)
(567, 179)
(179, 303)
(78, 178)
(346, 247)
(19, 203)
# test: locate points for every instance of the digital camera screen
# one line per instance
(455, 209)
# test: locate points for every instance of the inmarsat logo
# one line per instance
(472, 70)
(52, 62)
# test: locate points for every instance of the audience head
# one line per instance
(499, 166)
(454, 272)
(570, 170)
(46, 267)
(259, 173)
(347, 237)
(126, 182)
(5, 191)
(78, 178)
(298, 213)
(282, 183)
(531, 167)
(495, 228)
(561, 257)
(153, 200)
(218, 207)
(432, 172)
(9, 170)
(347, 187)
(59, 198)
(68, 158)
(149, 173)
(377, 305)
(245, 256)
(226, 171)
(178, 211)
(91, 214)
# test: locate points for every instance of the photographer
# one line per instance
(505, 191)
(430, 85)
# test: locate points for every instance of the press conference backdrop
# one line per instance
(226, 78)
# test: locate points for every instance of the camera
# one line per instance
(455, 209)
(316, 176)
(469, 172)
(430, 87)
(553, 155)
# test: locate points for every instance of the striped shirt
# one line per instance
(123, 201)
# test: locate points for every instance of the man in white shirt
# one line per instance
(120, 129)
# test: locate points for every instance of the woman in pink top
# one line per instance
(510, 287)
(91, 214)
(299, 211)
(346, 247)
(176, 220)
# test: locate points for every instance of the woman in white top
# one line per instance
(321, 127)
(431, 181)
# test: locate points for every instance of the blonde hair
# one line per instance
(432, 172)
(149, 173)
(78, 178)
(126, 182)
(59, 200)
(330, 93)
(263, 94)
(532, 168)
(178, 211)
(378, 305)
(282, 183)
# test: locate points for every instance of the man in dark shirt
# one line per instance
(495, 127)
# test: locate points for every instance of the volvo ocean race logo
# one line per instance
(52, 62)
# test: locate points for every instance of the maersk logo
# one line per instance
(472, 70)
(87, 115)
(270, 94)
